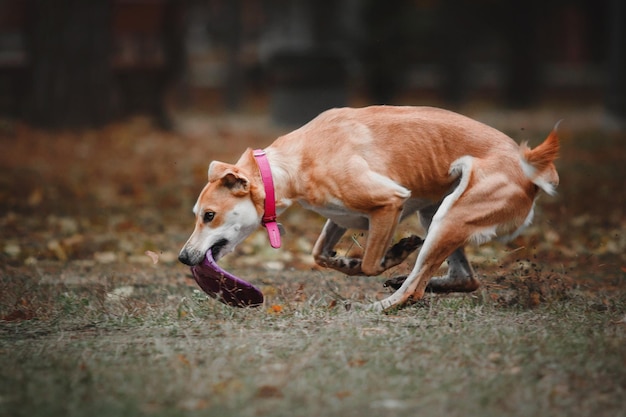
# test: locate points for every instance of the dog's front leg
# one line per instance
(382, 224)
(325, 244)
(352, 266)
(325, 255)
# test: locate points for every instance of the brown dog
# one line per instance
(370, 168)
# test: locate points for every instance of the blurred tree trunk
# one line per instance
(70, 80)
(523, 59)
(454, 36)
(616, 96)
(387, 34)
(233, 91)
(305, 49)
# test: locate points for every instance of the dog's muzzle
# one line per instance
(192, 257)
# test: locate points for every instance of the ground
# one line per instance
(97, 317)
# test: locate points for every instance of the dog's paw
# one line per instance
(443, 284)
(349, 266)
(401, 250)
(395, 282)
(448, 284)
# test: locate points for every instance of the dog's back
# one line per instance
(414, 146)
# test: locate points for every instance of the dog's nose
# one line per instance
(183, 257)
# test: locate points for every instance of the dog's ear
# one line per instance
(236, 183)
(217, 170)
(230, 177)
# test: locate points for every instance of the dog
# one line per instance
(370, 168)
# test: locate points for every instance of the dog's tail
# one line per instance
(538, 163)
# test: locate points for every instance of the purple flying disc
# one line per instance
(224, 286)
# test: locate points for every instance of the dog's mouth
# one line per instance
(219, 245)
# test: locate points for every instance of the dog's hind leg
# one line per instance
(460, 276)
(440, 243)
(479, 207)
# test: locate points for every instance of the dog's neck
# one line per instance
(285, 176)
(269, 215)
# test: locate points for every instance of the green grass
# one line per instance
(173, 352)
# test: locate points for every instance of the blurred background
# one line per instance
(111, 110)
(74, 63)
(110, 113)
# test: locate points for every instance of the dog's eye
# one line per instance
(208, 216)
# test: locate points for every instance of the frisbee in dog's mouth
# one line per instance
(224, 286)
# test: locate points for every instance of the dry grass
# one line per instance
(149, 350)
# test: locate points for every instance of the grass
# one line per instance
(170, 351)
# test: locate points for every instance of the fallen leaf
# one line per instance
(494, 357)
(192, 404)
(183, 359)
(58, 250)
(343, 394)
(153, 255)
(357, 363)
(18, 315)
(534, 299)
(275, 309)
(275, 265)
(228, 385)
(36, 197)
(12, 249)
(269, 391)
(121, 293)
(73, 241)
(105, 257)
(300, 295)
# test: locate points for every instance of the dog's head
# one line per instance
(228, 209)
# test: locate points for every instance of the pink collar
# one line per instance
(269, 217)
